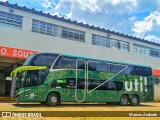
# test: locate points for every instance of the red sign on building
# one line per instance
(15, 52)
(156, 72)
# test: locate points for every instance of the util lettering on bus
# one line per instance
(141, 83)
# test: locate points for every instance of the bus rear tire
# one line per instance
(134, 100)
(53, 99)
(124, 100)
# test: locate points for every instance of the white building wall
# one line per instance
(26, 39)
(157, 92)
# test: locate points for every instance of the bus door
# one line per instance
(31, 85)
(80, 87)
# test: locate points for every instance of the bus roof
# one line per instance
(96, 59)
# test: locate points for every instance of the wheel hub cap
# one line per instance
(53, 99)
(134, 100)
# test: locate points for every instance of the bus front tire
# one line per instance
(134, 100)
(53, 99)
(124, 100)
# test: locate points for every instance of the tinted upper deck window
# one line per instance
(44, 60)
(65, 62)
(144, 71)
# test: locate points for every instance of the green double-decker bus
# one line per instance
(54, 78)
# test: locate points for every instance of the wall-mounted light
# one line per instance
(11, 10)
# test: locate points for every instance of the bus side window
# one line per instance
(81, 84)
(58, 83)
(91, 66)
(135, 71)
(94, 83)
(66, 62)
(102, 67)
(28, 81)
(146, 72)
(81, 65)
(116, 68)
(114, 85)
(111, 85)
(71, 83)
(98, 66)
(119, 85)
(42, 76)
(107, 67)
(128, 70)
(35, 80)
(90, 84)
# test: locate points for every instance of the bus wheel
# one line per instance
(53, 99)
(134, 100)
(124, 100)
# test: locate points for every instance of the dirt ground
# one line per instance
(81, 108)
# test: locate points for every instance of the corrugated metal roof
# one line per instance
(15, 6)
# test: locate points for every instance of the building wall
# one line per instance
(44, 43)
(26, 39)
(157, 92)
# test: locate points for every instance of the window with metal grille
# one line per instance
(119, 45)
(146, 50)
(11, 20)
(155, 52)
(44, 28)
(57, 31)
(141, 49)
(72, 34)
(100, 40)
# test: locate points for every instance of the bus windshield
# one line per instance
(43, 59)
(31, 78)
(29, 59)
(36, 77)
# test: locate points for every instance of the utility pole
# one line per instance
(13, 84)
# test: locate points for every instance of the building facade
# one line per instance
(25, 31)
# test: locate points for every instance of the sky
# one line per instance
(139, 18)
